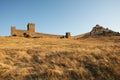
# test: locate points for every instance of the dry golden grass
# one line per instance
(59, 59)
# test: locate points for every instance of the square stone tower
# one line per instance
(13, 30)
(68, 35)
(31, 27)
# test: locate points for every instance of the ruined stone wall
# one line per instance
(30, 32)
(15, 32)
(43, 35)
(21, 33)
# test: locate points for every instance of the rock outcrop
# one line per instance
(101, 31)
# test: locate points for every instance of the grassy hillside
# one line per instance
(59, 59)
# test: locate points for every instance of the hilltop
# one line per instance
(29, 55)
(60, 59)
(99, 31)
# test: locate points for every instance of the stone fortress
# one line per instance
(30, 32)
(97, 31)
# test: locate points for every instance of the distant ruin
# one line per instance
(21, 33)
(30, 32)
(68, 34)
(101, 31)
(97, 31)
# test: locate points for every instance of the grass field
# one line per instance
(59, 59)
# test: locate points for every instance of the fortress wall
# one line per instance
(19, 32)
(42, 35)
(31, 33)
(30, 29)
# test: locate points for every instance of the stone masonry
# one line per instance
(68, 35)
(30, 32)
(21, 33)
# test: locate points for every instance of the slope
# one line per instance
(60, 59)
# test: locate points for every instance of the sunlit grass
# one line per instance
(59, 59)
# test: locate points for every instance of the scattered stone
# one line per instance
(101, 31)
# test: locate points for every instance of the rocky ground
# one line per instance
(99, 31)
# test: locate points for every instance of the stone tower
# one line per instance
(13, 29)
(68, 35)
(31, 27)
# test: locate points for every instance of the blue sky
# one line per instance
(59, 16)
